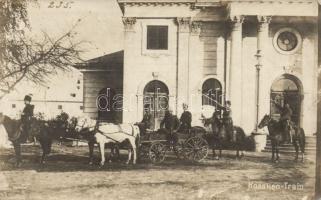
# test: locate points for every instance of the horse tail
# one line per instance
(240, 132)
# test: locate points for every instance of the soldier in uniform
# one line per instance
(185, 120)
(227, 119)
(147, 122)
(170, 123)
(285, 119)
(26, 117)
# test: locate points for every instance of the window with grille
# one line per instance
(157, 37)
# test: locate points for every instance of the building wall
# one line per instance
(302, 64)
(94, 82)
(208, 56)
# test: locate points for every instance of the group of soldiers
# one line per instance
(171, 124)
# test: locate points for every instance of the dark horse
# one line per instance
(277, 137)
(222, 139)
(43, 131)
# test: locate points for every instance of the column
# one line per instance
(235, 73)
(129, 106)
(264, 87)
(182, 63)
(195, 73)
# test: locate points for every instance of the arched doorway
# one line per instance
(286, 89)
(211, 92)
(156, 99)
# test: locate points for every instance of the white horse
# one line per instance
(105, 133)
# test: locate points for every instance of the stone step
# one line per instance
(308, 153)
(291, 148)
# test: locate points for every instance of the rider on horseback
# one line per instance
(227, 120)
(26, 117)
(285, 119)
(185, 120)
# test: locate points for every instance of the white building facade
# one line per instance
(202, 52)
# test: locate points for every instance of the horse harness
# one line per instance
(96, 128)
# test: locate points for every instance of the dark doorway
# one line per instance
(156, 100)
(286, 90)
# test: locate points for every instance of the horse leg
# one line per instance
(296, 147)
(273, 150)
(17, 149)
(302, 148)
(102, 153)
(133, 144)
(277, 152)
(91, 152)
(129, 156)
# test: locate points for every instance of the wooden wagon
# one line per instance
(155, 146)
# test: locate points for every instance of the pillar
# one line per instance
(235, 73)
(129, 101)
(195, 73)
(182, 63)
(264, 86)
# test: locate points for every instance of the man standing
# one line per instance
(185, 120)
(26, 116)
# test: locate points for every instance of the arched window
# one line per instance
(211, 92)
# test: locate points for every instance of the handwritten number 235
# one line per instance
(60, 4)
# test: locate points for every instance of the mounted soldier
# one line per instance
(227, 120)
(26, 118)
(285, 119)
(185, 120)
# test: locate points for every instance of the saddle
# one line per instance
(15, 135)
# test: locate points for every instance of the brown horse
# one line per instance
(44, 131)
(277, 136)
(221, 139)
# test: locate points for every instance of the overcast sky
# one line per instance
(101, 23)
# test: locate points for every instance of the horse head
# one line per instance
(265, 121)
(85, 123)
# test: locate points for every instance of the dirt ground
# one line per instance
(67, 175)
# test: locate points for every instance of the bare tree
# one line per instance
(26, 58)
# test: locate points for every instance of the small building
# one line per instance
(203, 52)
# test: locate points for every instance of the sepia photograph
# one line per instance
(160, 100)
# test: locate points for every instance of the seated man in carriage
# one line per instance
(185, 120)
(170, 125)
(146, 125)
(285, 120)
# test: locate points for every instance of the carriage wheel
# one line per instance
(143, 152)
(157, 152)
(179, 150)
(195, 149)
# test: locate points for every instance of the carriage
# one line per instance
(155, 146)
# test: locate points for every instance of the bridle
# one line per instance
(266, 121)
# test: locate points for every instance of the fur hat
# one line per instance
(27, 98)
